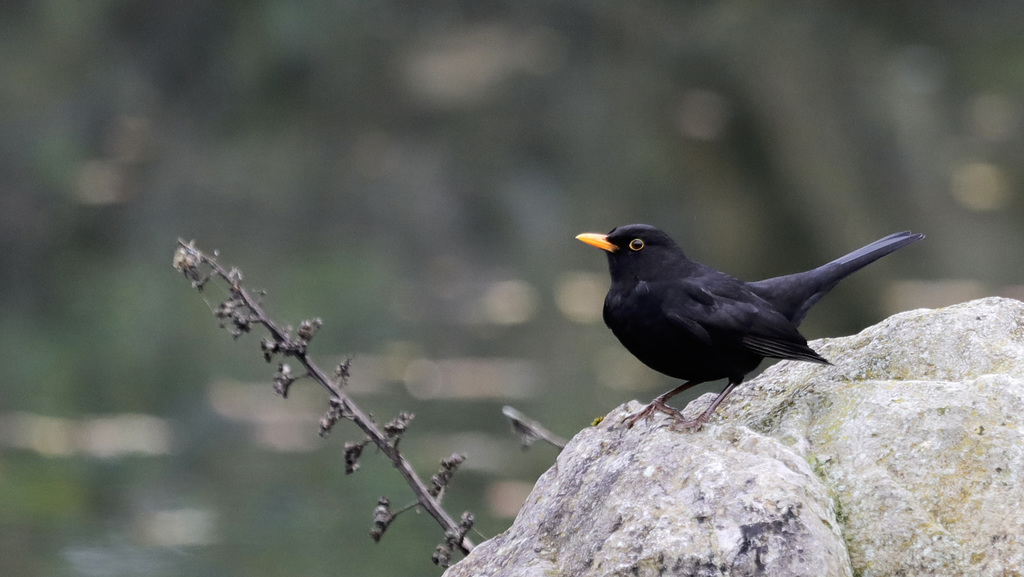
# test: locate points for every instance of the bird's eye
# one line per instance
(636, 244)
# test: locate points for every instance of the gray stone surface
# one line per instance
(905, 457)
(918, 429)
(650, 501)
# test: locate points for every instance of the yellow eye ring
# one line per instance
(636, 244)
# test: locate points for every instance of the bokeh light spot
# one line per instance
(980, 186)
(580, 296)
(510, 302)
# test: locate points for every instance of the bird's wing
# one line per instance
(687, 324)
(721, 311)
(783, 349)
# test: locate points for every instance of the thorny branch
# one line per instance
(240, 312)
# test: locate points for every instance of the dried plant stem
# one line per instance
(188, 258)
(529, 430)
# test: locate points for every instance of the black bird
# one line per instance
(692, 322)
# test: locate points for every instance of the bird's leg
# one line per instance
(658, 404)
(696, 424)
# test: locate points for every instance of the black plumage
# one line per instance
(692, 322)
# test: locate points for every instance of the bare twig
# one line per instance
(240, 312)
(529, 430)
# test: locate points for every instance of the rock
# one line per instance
(904, 457)
(649, 501)
(918, 430)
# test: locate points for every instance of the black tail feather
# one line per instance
(793, 295)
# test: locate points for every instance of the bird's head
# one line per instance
(638, 251)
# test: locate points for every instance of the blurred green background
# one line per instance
(414, 174)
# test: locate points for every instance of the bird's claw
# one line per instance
(645, 413)
(681, 423)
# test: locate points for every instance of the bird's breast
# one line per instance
(634, 312)
(636, 315)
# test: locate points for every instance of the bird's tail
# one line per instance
(793, 295)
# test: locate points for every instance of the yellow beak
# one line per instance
(598, 240)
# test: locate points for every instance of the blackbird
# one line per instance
(692, 322)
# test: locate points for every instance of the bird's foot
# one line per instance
(645, 413)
